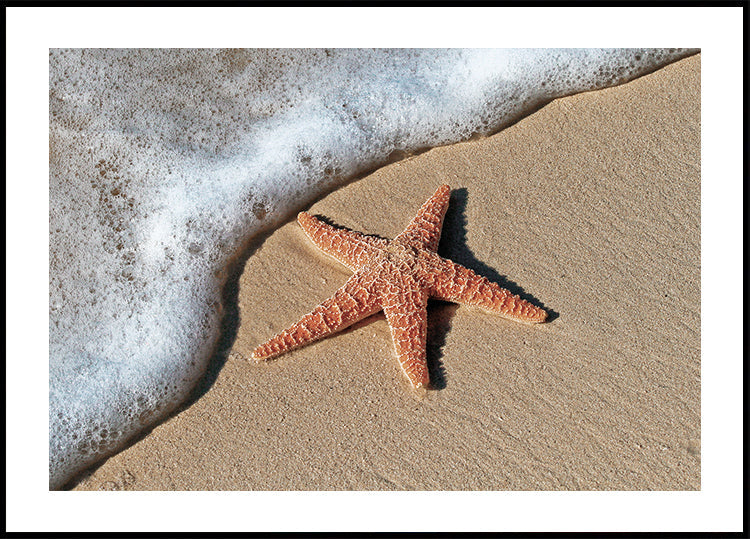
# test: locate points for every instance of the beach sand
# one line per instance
(589, 207)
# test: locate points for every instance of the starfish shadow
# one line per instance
(439, 317)
(453, 245)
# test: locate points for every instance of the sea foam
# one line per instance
(165, 163)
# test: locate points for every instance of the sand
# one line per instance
(589, 207)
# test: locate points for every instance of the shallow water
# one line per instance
(165, 163)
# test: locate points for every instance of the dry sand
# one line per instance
(591, 207)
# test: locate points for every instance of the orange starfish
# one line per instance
(396, 276)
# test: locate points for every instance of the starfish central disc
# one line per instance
(400, 258)
(396, 276)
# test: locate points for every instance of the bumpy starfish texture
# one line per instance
(396, 276)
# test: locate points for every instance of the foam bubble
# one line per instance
(163, 163)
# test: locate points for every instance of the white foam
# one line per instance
(163, 163)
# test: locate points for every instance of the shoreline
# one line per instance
(580, 200)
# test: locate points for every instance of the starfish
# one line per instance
(396, 276)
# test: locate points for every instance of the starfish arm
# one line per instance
(453, 282)
(352, 249)
(423, 232)
(348, 305)
(406, 313)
